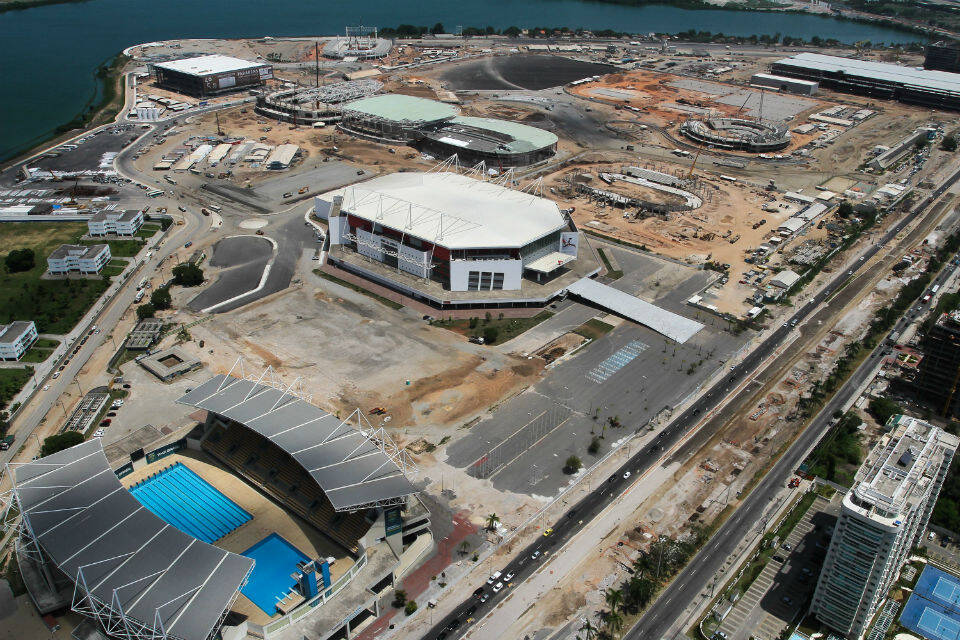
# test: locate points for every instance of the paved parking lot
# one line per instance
(781, 593)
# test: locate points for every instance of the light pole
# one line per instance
(79, 388)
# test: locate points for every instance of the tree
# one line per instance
(845, 210)
(410, 607)
(160, 299)
(399, 598)
(60, 441)
(187, 274)
(146, 310)
(588, 630)
(614, 621)
(949, 143)
(492, 520)
(572, 465)
(882, 409)
(464, 548)
(438, 28)
(490, 335)
(20, 260)
(613, 598)
(511, 32)
(594, 446)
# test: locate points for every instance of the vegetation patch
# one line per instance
(839, 454)
(593, 329)
(612, 273)
(358, 289)
(493, 329)
(11, 381)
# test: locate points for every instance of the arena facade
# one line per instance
(738, 134)
(451, 239)
(148, 548)
(360, 43)
(319, 104)
(438, 129)
(210, 75)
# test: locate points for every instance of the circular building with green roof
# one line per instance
(393, 117)
(437, 128)
(496, 142)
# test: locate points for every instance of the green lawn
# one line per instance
(120, 248)
(111, 271)
(612, 273)
(35, 355)
(506, 328)
(358, 289)
(46, 343)
(11, 381)
(148, 230)
(55, 305)
(594, 329)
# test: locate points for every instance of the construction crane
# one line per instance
(693, 165)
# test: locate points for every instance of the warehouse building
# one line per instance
(210, 75)
(79, 258)
(784, 84)
(942, 56)
(115, 223)
(282, 156)
(16, 338)
(937, 89)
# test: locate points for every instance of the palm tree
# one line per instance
(613, 598)
(615, 622)
(492, 521)
(588, 630)
(464, 547)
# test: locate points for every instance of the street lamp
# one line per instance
(79, 388)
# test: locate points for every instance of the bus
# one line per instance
(215, 207)
(142, 284)
(156, 193)
(935, 288)
(139, 296)
(169, 179)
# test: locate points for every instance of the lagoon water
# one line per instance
(50, 53)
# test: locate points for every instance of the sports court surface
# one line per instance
(185, 500)
(276, 561)
(933, 610)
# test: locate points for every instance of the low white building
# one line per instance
(785, 279)
(78, 257)
(791, 225)
(116, 223)
(16, 338)
(282, 156)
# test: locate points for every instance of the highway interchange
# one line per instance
(690, 582)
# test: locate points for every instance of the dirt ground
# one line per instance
(428, 379)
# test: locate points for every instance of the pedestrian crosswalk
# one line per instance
(620, 358)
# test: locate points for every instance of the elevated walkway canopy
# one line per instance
(667, 323)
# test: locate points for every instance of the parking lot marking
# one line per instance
(620, 358)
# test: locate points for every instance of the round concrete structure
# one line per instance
(737, 134)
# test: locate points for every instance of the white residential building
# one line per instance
(882, 517)
(78, 257)
(16, 338)
(117, 223)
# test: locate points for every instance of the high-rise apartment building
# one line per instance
(938, 375)
(881, 518)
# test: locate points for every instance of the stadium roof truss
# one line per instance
(355, 464)
(139, 577)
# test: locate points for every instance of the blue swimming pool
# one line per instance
(190, 503)
(276, 559)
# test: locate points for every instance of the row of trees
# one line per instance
(650, 572)
(184, 275)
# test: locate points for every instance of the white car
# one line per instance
(56, 374)
(626, 474)
(497, 587)
(493, 578)
(46, 387)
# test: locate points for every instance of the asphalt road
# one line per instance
(690, 582)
